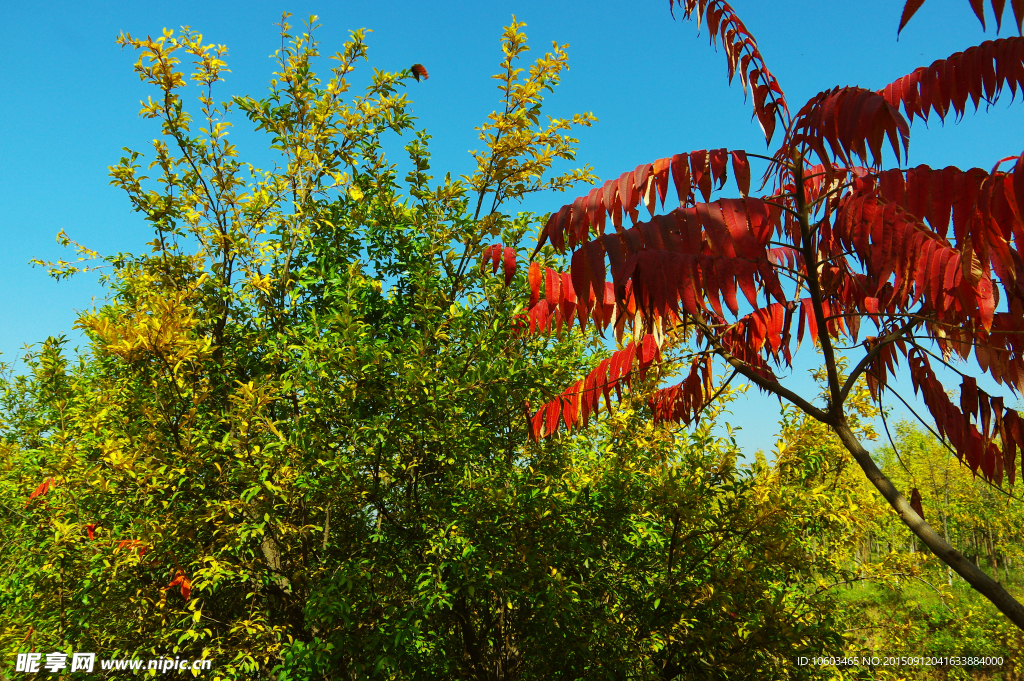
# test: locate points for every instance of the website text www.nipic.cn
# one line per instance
(31, 663)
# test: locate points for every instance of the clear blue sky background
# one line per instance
(69, 103)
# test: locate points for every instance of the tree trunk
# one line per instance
(991, 547)
(981, 582)
(945, 521)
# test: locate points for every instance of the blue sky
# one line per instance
(70, 103)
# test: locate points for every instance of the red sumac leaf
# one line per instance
(717, 160)
(595, 209)
(701, 177)
(986, 303)
(184, 582)
(552, 286)
(681, 177)
(969, 396)
(1018, 13)
(510, 264)
(915, 502)
(807, 309)
(552, 412)
(661, 173)
(495, 258)
(908, 11)
(979, 11)
(534, 278)
(537, 425)
(741, 171)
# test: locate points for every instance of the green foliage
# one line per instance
(519, 152)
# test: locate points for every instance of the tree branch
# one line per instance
(814, 288)
(870, 357)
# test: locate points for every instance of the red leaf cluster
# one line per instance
(1000, 353)
(695, 257)
(851, 120)
(181, 580)
(931, 194)
(890, 241)
(766, 330)
(974, 447)
(884, 364)
(498, 256)
(559, 304)
(920, 253)
(684, 402)
(978, 7)
(575, 406)
(44, 487)
(647, 183)
(881, 221)
(977, 74)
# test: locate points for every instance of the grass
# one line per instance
(928, 618)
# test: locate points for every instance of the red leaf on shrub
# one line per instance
(43, 488)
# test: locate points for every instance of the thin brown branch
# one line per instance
(870, 357)
(751, 375)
